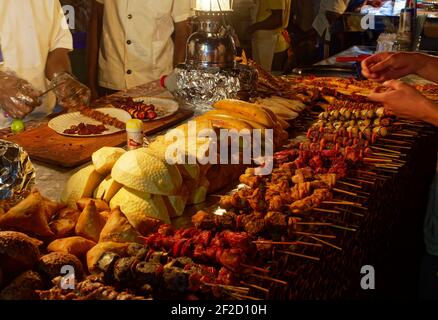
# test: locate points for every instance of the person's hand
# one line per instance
(388, 65)
(94, 93)
(403, 100)
(69, 91)
(18, 97)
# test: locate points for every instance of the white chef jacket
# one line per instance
(136, 45)
(321, 24)
(29, 31)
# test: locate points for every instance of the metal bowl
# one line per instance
(207, 49)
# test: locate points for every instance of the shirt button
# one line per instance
(129, 42)
(129, 16)
(129, 71)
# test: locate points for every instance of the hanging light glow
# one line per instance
(214, 5)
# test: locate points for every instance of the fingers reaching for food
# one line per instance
(70, 92)
(18, 97)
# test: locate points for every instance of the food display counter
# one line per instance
(346, 192)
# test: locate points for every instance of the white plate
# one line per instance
(65, 121)
(163, 107)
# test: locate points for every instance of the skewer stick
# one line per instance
(346, 203)
(394, 141)
(298, 255)
(313, 223)
(343, 228)
(361, 180)
(392, 156)
(376, 160)
(315, 235)
(350, 185)
(389, 166)
(327, 243)
(254, 268)
(239, 296)
(392, 146)
(269, 279)
(255, 287)
(346, 192)
(287, 243)
(387, 150)
(409, 132)
(385, 170)
(309, 244)
(367, 172)
(325, 210)
(228, 287)
(402, 135)
(351, 212)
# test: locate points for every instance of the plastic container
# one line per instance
(134, 131)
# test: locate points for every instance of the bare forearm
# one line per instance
(57, 61)
(94, 36)
(274, 21)
(182, 32)
(428, 67)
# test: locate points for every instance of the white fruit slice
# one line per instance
(107, 189)
(140, 171)
(105, 158)
(81, 185)
(138, 206)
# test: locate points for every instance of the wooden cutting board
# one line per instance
(45, 145)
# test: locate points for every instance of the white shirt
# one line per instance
(136, 45)
(321, 24)
(29, 31)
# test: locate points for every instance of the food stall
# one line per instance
(338, 193)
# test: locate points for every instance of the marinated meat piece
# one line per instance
(148, 273)
(225, 276)
(236, 239)
(203, 220)
(166, 230)
(137, 109)
(137, 250)
(255, 227)
(102, 117)
(90, 289)
(84, 129)
(231, 258)
(23, 287)
(175, 279)
(227, 221)
(181, 262)
(123, 270)
(204, 238)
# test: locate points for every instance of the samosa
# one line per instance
(90, 223)
(118, 229)
(31, 215)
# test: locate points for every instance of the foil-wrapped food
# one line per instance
(17, 174)
(205, 86)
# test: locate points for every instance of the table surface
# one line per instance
(51, 180)
(392, 9)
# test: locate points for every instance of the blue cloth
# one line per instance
(431, 221)
(1, 55)
(79, 40)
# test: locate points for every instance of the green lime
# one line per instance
(17, 126)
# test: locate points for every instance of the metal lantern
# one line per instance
(212, 45)
(210, 72)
